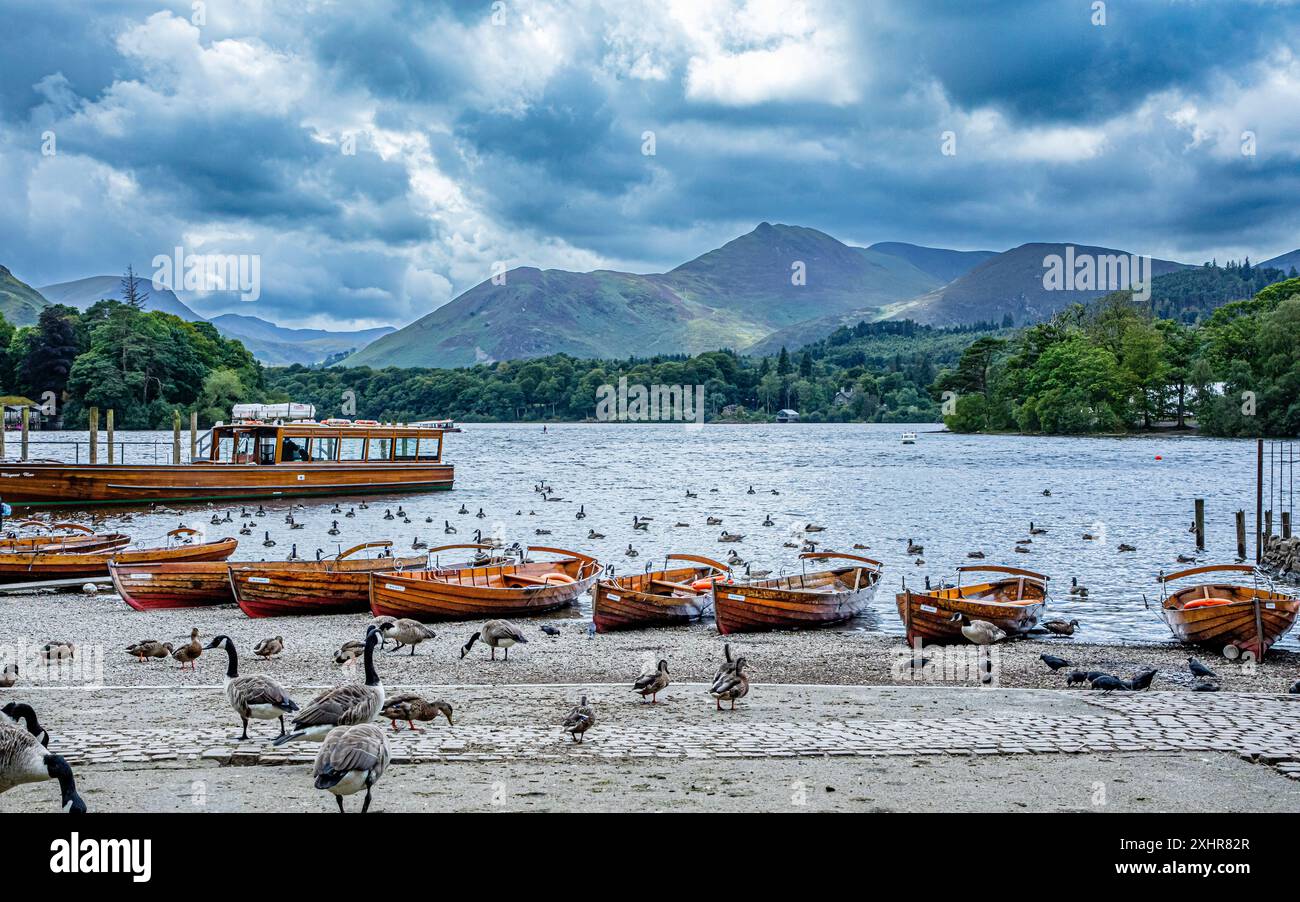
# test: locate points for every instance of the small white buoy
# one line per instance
(1231, 652)
(90, 589)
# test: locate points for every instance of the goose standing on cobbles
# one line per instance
(24, 760)
(254, 696)
(342, 705)
(496, 634)
(352, 758)
(581, 719)
(406, 632)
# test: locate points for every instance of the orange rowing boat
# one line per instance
(799, 601)
(338, 585)
(40, 565)
(1013, 603)
(658, 597)
(1223, 615)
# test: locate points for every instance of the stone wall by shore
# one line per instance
(1282, 558)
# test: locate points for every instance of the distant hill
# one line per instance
(280, 346)
(84, 293)
(19, 302)
(1010, 283)
(943, 264)
(1284, 262)
(729, 297)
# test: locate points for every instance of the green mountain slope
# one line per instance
(19, 302)
(281, 346)
(729, 297)
(83, 293)
(943, 264)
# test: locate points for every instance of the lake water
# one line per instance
(950, 493)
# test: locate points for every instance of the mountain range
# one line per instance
(272, 344)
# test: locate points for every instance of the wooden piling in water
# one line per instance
(194, 435)
(108, 423)
(1259, 499)
(1268, 526)
(94, 435)
(1200, 524)
(1286, 524)
(176, 436)
(2, 438)
(1241, 535)
(27, 422)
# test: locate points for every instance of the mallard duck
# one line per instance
(268, 648)
(254, 696)
(407, 632)
(1060, 627)
(913, 548)
(353, 757)
(496, 634)
(149, 648)
(652, 682)
(730, 684)
(342, 705)
(581, 719)
(727, 663)
(190, 651)
(981, 632)
(350, 651)
(411, 707)
(17, 711)
(24, 760)
(9, 676)
(57, 650)
(1076, 589)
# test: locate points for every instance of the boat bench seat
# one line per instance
(673, 587)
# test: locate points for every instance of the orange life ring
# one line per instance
(1205, 603)
(557, 579)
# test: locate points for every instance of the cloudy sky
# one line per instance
(382, 156)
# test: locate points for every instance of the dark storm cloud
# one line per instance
(521, 137)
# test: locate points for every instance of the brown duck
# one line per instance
(411, 707)
(190, 652)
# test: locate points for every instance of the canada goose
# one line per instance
(388, 514)
(768, 521)
(448, 528)
(690, 494)
(269, 648)
(756, 574)
(57, 650)
(1200, 670)
(16, 711)
(418, 544)
(751, 491)
(1124, 547)
(463, 509)
(541, 532)
(9, 676)
(293, 553)
(336, 509)
(480, 515)
(638, 523)
(255, 696)
(343, 705)
(334, 528)
(268, 542)
(592, 534)
(1295, 688)
(811, 527)
(734, 559)
(406, 632)
(24, 760)
(1186, 559)
(294, 524)
(352, 512)
(652, 682)
(246, 530)
(730, 684)
(1061, 627)
(713, 521)
(631, 552)
(353, 757)
(1088, 537)
(496, 634)
(730, 537)
(190, 651)
(411, 707)
(580, 720)
(149, 648)
(981, 632)
(1036, 530)
(582, 512)
(913, 548)
(681, 525)
(1076, 589)
(975, 555)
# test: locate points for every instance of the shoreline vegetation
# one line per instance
(1115, 366)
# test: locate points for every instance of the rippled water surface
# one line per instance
(950, 493)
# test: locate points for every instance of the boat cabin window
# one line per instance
(324, 448)
(351, 448)
(225, 448)
(266, 449)
(243, 448)
(430, 448)
(293, 448)
(380, 449)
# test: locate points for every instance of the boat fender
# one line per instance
(1205, 603)
(703, 585)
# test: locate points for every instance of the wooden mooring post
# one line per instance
(27, 423)
(108, 423)
(2, 439)
(176, 436)
(1241, 535)
(194, 435)
(1200, 524)
(1259, 500)
(1268, 526)
(94, 435)
(1286, 524)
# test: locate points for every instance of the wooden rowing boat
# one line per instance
(469, 593)
(83, 539)
(800, 601)
(188, 584)
(1013, 603)
(1222, 615)
(339, 585)
(657, 598)
(32, 566)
